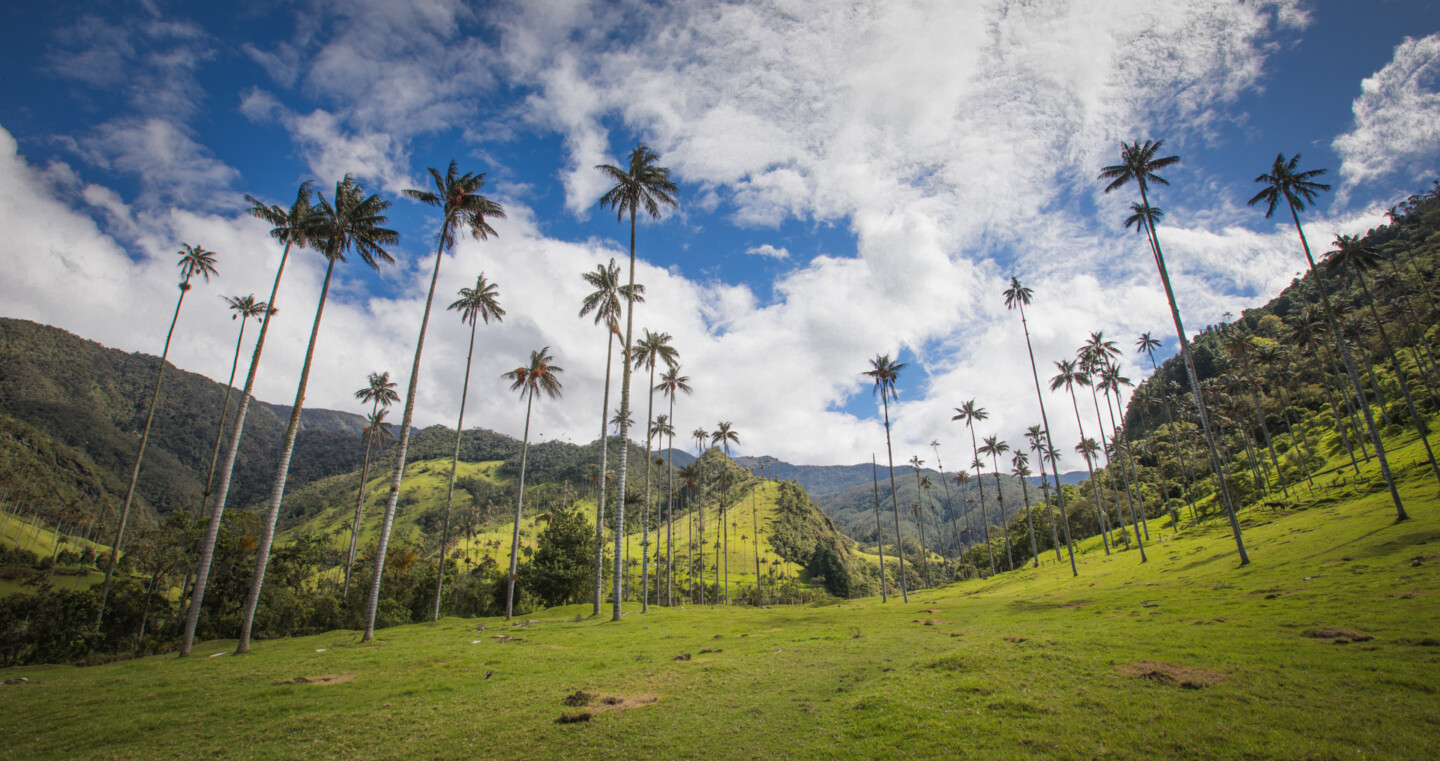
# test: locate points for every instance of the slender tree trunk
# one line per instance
(1110, 475)
(1049, 508)
(1004, 518)
(1094, 486)
(879, 538)
(359, 507)
(1400, 514)
(1034, 548)
(980, 481)
(519, 506)
(393, 499)
(604, 469)
(277, 490)
(670, 514)
(1415, 418)
(1195, 387)
(224, 412)
(920, 523)
(894, 500)
(1340, 422)
(139, 458)
(454, 464)
(645, 510)
(624, 430)
(1049, 442)
(222, 491)
(1130, 480)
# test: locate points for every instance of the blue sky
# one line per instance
(855, 180)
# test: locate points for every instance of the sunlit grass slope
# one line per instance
(1327, 646)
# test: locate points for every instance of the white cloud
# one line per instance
(172, 167)
(768, 251)
(1397, 118)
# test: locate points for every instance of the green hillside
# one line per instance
(1323, 647)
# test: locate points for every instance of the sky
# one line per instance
(854, 180)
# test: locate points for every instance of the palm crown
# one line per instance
(640, 186)
(379, 390)
(1138, 163)
(539, 376)
(353, 221)
(245, 306)
(1282, 182)
(604, 301)
(1017, 295)
(482, 301)
(195, 260)
(885, 372)
(458, 196)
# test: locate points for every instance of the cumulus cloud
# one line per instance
(768, 251)
(1397, 118)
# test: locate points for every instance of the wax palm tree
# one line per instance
(1284, 182)
(949, 503)
(701, 437)
(1110, 382)
(379, 392)
(1139, 164)
(652, 349)
(1241, 348)
(885, 372)
(194, 260)
(243, 308)
(295, 226)
(994, 447)
(1093, 356)
(920, 487)
(1018, 297)
(1147, 344)
(970, 413)
(475, 304)
(641, 186)
(1353, 256)
(1035, 437)
(351, 223)
(723, 436)
(1069, 376)
(1020, 469)
(540, 376)
(604, 302)
(879, 533)
(462, 206)
(690, 481)
(671, 384)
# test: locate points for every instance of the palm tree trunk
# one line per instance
(277, 490)
(454, 464)
(359, 508)
(645, 509)
(879, 539)
(1049, 442)
(1130, 480)
(519, 505)
(404, 445)
(1350, 370)
(1340, 423)
(224, 412)
(1004, 518)
(1049, 509)
(1195, 386)
(920, 523)
(980, 481)
(222, 491)
(1110, 475)
(604, 466)
(624, 430)
(894, 500)
(725, 524)
(1094, 485)
(670, 514)
(139, 458)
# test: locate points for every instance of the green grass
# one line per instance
(1028, 664)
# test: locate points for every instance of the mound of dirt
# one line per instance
(1170, 674)
(322, 679)
(578, 698)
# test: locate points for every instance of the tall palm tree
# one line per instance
(295, 226)
(1094, 356)
(461, 206)
(660, 430)
(379, 392)
(604, 301)
(1018, 297)
(671, 383)
(1147, 345)
(652, 349)
(994, 447)
(475, 304)
(1035, 437)
(194, 260)
(723, 437)
(1110, 382)
(701, 437)
(1020, 469)
(879, 538)
(949, 504)
(690, 480)
(970, 413)
(1139, 164)
(1298, 190)
(1240, 346)
(352, 222)
(921, 486)
(243, 308)
(1069, 377)
(885, 372)
(1353, 256)
(540, 376)
(641, 186)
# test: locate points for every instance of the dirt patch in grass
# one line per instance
(582, 699)
(578, 698)
(1014, 640)
(1340, 560)
(929, 610)
(1171, 675)
(1337, 636)
(574, 718)
(1284, 593)
(322, 679)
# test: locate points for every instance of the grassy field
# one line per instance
(1327, 646)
